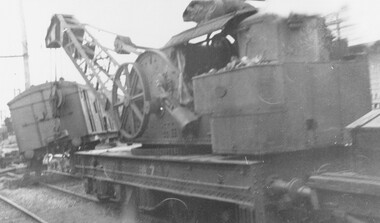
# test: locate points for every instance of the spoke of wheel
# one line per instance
(134, 82)
(124, 116)
(132, 122)
(137, 97)
(127, 74)
(121, 87)
(127, 80)
(119, 84)
(137, 112)
(119, 104)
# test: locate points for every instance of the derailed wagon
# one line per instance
(56, 118)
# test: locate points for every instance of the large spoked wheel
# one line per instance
(131, 101)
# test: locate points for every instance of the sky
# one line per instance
(149, 23)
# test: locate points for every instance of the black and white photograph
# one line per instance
(189, 111)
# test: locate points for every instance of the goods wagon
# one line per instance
(56, 117)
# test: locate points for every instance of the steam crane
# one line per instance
(225, 139)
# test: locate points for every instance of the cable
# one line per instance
(109, 32)
(99, 29)
(51, 65)
(12, 56)
(55, 64)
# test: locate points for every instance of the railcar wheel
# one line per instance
(131, 101)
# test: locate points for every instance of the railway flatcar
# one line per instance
(58, 117)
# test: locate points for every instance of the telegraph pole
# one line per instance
(24, 43)
(25, 54)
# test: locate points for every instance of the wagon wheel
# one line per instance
(131, 101)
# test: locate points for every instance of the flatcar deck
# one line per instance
(124, 152)
(216, 177)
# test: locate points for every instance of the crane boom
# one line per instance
(93, 61)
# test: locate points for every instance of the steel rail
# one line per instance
(22, 209)
(3, 171)
(69, 192)
(62, 174)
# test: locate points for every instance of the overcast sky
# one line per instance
(148, 22)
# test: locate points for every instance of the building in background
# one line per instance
(372, 51)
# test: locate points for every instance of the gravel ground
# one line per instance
(57, 207)
(10, 215)
(74, 185)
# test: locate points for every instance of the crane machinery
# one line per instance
(104, 75)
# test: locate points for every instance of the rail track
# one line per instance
(22, 209)
(12, 169)
(63, 190)
(16, 172)
(58, 197)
